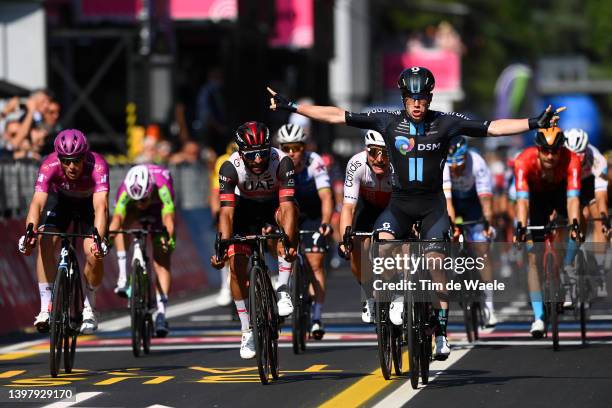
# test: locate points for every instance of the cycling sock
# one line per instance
(488, 294)
(537, 305)
(225, 278)
(122, 261)
(242, 314)
(45, 290)
(442, 321)
(284, 271)
(162, 300)
(570, 252)
(316, 311)
(90, 296)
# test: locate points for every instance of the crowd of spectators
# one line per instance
(28, 126)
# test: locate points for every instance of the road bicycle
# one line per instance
(66, 315)
(263, 309)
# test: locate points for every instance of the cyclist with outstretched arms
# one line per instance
(367, 190)
(593, 201)
(468, 190)
(147, 191)
(314, 198)
(547, 181)
(72, 181)
(224, 297)
(417, 141)
(265, 177)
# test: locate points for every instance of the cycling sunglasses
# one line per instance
(547, 150)
(251, 155)
(373, 152)
(67, 160)
(290, 148)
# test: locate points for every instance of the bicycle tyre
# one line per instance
(553, 298)
(475, 313)
(75, 318)
(147, 317)
(383, 337)
(582, 294)
(296, 321)
(273, 324)
(259, 323)
(57, 326)
(414, 349)
(135, 309)
(467, 320)
(426, 345)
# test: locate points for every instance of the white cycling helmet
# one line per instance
(291, 133)
(373, 138)
(138, 182)
(576, 140)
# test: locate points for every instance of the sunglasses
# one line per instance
(546, 150)
(67, 160)
(251, 155)
(374, 152)
(290, 148)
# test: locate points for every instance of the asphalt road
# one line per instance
(199, 364)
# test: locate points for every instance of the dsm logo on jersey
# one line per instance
(403, 144)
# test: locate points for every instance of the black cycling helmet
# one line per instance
(457, 150)
(416, 82)
(550, 138)
(252, 135)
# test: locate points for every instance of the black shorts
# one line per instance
(542, 205)
(315, 242)
(403, 212)
(365, 216)
(251, 216)
(587, 190)
(60, 210)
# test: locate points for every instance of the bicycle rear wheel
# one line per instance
(583, 291)
(147, 317)
(135, 309)
(58, 323)
(259, 321)
(75, 318)
(384, 337)
(426, 343)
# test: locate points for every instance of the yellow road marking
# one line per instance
(11, 373)
(364, 389)
(16, 355)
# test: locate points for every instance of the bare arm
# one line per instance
(503, 127)
(522, 210)
(39, 199)
(327, 205)
(573, 208)
(346, 216)
(451, 209)
(486, 202)
(100, 204)
(328, 114)
(168, 221)
(226, 221)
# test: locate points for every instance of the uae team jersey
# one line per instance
(94, 179)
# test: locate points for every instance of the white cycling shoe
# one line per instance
(90, 321)
(285, 306)
(537, 329)
(490, 318)
(396, 310)
(367, 313)
(247, 345)
(442, 350)
(41, 322)
(121, 289)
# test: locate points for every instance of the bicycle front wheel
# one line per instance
(58, 323)
(552, 287)
(260, 316)
(298, 336)
(384, 337)
(414, 347)
(583, 293)
(135, 309)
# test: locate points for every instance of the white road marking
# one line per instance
(405, 393)
(80, 397)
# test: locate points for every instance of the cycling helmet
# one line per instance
(457, 150)
(70, 143)
(416, 82)
(291, 133)
(576, 140)
(138, 182)
(550, 138)
(373, 138)
(252, 135)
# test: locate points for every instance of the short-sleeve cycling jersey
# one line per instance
(417, 151)
(595, 164)
(277, 182)
(214, 177)
(94, 179)
(465, 190)
(162, 194)
(308, 182)
(361, 181)
(528, 173)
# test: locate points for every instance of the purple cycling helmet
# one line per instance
(70, 143)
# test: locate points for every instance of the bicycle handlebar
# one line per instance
(222, 244)
(31, 233)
